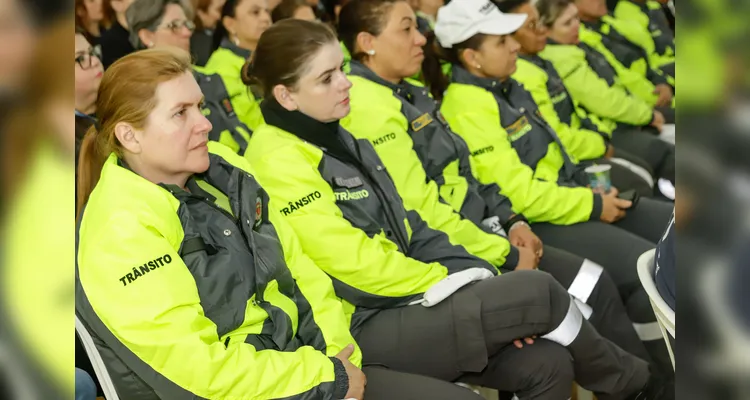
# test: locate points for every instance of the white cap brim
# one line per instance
(503, 24)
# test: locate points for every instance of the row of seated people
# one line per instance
(608, 106)
(384, 238)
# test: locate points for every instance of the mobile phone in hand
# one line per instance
(630, 195)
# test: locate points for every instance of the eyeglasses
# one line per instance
(537, 26)
(85, 60)
(176, 25)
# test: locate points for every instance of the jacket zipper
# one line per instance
(380, 193)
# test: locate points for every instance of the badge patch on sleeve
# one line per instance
(421, 122)
(348, 183)
(519, 128)
(258, 211)
(227, 105)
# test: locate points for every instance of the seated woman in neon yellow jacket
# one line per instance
(242, 23)
(581, 131)
(595, 77)
(632, 45)
(649, 16)
(183, 275)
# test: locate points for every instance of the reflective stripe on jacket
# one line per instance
(540, 78)
(189, 300)
(424, 159)
(351, 221)
(227, 61)
(513, 146)
(217, 107)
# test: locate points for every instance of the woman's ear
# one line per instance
(147, 37)
(470, 58)
(127, 136)
(284, 97)
(365, 43)
(229, 25)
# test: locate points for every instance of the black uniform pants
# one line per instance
(617, 250)
(592, 285)
(468, 337)
(659, 154)
(385, 384)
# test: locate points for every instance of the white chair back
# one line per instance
(102, 375)
(664, 314)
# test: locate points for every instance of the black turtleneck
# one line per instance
(321, 134)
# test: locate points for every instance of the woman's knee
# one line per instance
(540, 281)
(549, 371)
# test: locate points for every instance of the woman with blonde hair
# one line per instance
(190, 286)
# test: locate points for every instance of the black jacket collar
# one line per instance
(227, 44)
(594, 25)
(538, 61)
(461, 75)
(325, 135)
(401, 89)
(534, 59)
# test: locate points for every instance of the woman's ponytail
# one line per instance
(432, 67)
(90, 162)
(434, 57)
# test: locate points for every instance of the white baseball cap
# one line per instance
(461, 19)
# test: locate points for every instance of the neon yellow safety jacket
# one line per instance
(205, 294)
(649, 16)
(513, 146)
(227, 61)
(424, 162)
(339, 198)
(632, 47)
(606, 90)
(580, 135)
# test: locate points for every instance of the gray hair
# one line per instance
(148, 14)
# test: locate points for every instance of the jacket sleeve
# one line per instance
(418, 191)
(656, 77)
(497, 162)
(366, 271)
(157, 324)
(598, 97)
(498, 204)
(322, 308)
(430, 245)
(581, 143)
